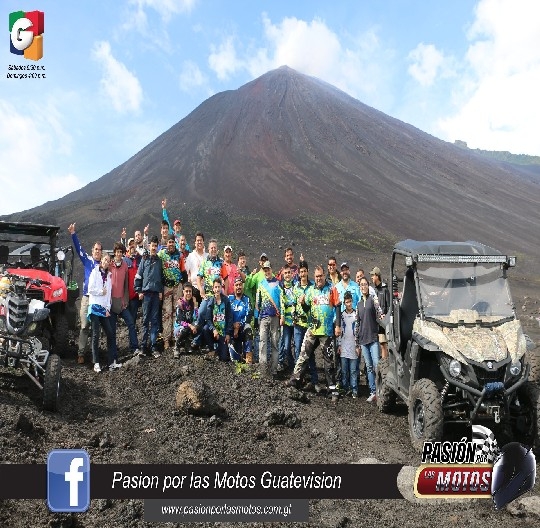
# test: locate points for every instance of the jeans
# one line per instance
(349, 374)
(201, 322)
(150, 306)
(133, 307)
(126, 316)
(285, 352)
(96, 321)
(221, 348)
(371, 357)
(299, 333)
(269, 326)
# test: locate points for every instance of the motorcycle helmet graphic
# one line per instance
(514, 473)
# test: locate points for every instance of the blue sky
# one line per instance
(118, 74)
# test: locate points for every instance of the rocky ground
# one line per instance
(129, 416)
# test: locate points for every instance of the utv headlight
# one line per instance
(58, 292)
(515, 368)
(454, 368)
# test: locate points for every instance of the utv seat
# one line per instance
(408, 309)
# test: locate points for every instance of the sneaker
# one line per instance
(354, 395)
(372, 398)
(97, 368)
(80, 360)
(176, 353)
(335, 397)
(280, 367)
(114, 365)
(156, 354)
(138, 352)
(318, 388)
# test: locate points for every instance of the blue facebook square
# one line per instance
(68, 480)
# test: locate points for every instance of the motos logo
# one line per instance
(26, 34)
(68, 480)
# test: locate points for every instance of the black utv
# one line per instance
(457, 352)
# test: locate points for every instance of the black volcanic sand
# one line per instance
(128, 416)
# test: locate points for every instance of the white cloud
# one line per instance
(138, 13)
(120, 85)
(30, 144)
(498, 96)
(191, 77)
(357, 64)
(426, 63)
(223, 60)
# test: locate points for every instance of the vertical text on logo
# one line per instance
(68, 480)
(26, 34)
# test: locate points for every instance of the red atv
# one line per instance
(30, 250)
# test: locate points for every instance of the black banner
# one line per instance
(223, 481)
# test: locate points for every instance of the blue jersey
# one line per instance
(351, 287)
(241, 309)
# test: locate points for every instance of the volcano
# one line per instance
(287, 146)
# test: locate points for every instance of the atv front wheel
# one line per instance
(425, 413)
(51, 383)
(386, 397)
(60, 334)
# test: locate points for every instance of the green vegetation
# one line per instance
(503, 155)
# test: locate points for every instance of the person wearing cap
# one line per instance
(383, 295)
(322, 300)
(253, 280)
(232, 270)
(343, 286)
(301, 322)
(176, 228)
(269, 306)
(242, 339)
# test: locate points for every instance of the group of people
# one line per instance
(199, 300)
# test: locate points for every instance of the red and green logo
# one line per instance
(26, 34)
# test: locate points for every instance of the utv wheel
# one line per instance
(386, 397)
(60, 334)
(51, 383)
(526, 424)
(425, 413)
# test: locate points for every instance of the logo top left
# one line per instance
(26, 34)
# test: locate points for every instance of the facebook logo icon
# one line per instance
(68, 480)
